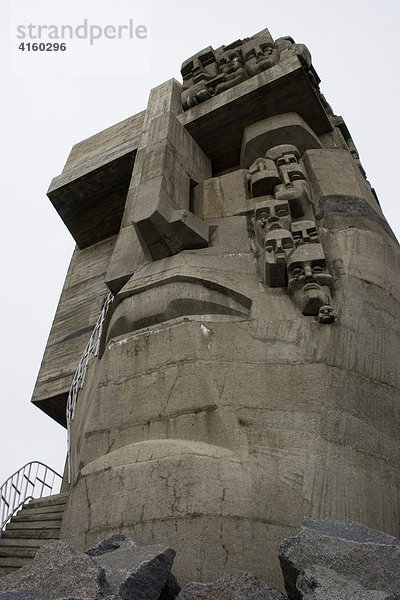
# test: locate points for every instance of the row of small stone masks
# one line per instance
(211, 72)
(290, 252)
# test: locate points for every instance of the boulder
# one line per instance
(238, 586)
(116, 569)
(58, 571)
(109, 545)
(171, 588)
(22, 595)
(340, 560)
(133, 571)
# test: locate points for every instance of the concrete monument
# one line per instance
(242, 373)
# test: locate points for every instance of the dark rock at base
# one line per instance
(108, 545)
(340, 560)
(116, 569)
(22, 595)
(150, 578)
(171, 588)
(137, 572)
(238, 586)
(260, 596)
(59, 571)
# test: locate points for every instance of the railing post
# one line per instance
(14, 485)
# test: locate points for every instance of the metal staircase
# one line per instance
(37, 523)
(29, 518)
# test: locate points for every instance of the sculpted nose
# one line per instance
(308, 275)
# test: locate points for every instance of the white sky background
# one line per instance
(354, 45)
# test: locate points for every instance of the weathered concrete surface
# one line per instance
(223, 196)
(341, 560)
(230, 385)
(167, 164)
(249, 102)
(241, 586)
(217, 410)
(270, 132)
(90, 193)
(334, 171)
(77, 312)
(170, 161)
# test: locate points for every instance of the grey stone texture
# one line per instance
(238, 586)
(340, 560)
(116, 568)
(132, 571)
(248, 369)
(90, 193)
(22, 595)
(77, 312)
(58, 571)
(171, 589)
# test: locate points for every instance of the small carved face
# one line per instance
(289, 169)
(326, 314)
(309, 282)
(308, 275)
(272, 215)
(229, 62)
(200, 67)
(259, 55)
(304, 232)
(279, 243)
(286, 159)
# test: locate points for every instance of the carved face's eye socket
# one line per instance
(297, 272)
(269, 246)
(250, 54)
(263, 216)
(280, 162)
(287, 243)
(266, 49)
(207, 59)
(282, 212)
(187, 70)
(292, 159)
(222, 61)
(317, 269)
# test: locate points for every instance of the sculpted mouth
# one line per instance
(275, 226)
(311, 286)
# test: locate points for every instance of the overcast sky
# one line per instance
(354, 45)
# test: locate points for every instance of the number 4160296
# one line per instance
(42, 47)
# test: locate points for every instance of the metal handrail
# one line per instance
(33, 480)
(92, 349)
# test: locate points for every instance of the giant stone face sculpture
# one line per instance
(308, 280)
(259, 53)
(242, 286)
